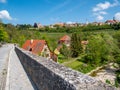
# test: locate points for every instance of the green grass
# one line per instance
(85, 68)
(63, 60)
(80, 66)
(74, 64)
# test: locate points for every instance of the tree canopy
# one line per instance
(3, 34)
(76, 46)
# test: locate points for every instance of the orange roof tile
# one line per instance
(35, 46)
(64, 38)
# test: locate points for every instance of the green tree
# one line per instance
(76, 47)
(95, 50)
(65, 51)
(35, 25)
(117, 56)
(102, 48)
(117, 37)
(3, 34)
(116, 26)
(112, 44)
(12, 32)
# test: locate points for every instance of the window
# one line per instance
(30, 49)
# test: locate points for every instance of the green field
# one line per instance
(74, 64)
(77, 65)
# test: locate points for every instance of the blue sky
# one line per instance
(53, 11)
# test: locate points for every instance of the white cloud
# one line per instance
(117, 16)
(4, 14)
(99, 17)
(3, 1)
(103, 12)
(99, 9)
(101, 6)
(105, 5)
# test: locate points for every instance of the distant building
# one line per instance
(63, 40)
(110, 22)
(59, 24)
(51, 26)
(114, 21)
(71, 24)
(97, 23)
(39, 25)
(38, 47)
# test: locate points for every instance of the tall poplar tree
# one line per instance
(76, 47)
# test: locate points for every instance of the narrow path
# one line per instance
(4, 56)
(17, 78)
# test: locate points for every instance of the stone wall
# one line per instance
(48, 75)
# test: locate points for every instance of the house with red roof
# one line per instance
(65, 40)
(38, 47)
(111, 22)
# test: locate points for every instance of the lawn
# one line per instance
(78, 65)
(74, 64)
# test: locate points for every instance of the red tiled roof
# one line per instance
(112, 21)
(64, 38)
(35, 46)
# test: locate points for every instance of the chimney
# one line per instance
(31, 41)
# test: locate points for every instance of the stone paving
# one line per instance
(4, 55)
(17, 78)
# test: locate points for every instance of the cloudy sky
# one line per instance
(52, 11)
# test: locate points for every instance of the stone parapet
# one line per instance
(49, 75)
